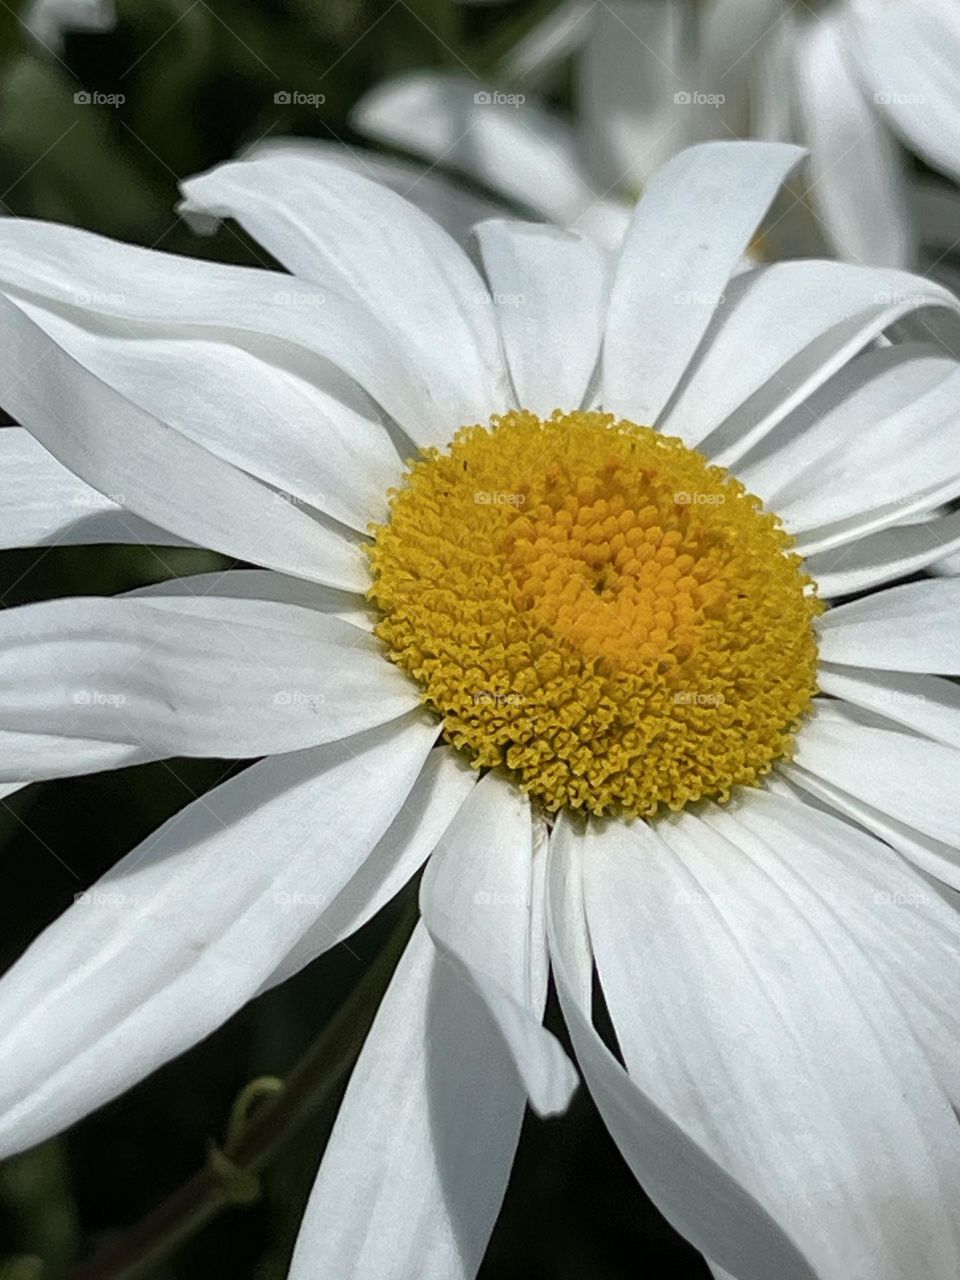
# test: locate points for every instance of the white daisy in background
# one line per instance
(576, 597)
(48, 21)
(852, 80)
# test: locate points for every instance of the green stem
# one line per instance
(227, 1177)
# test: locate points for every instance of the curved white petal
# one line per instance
(62, 268)
(308, 442)
(445, 782)
(537, 58)
(186, 928)
(521, 150)
(417, 1165)
(857, 172)
(702, 1200)
(747, 1010)
(907, 776)
(913, 627)
(549, 290)
(478, 898)
(634, 98)
(936, 859)
(27, 756)
(779, 333)
(452, 206)
(893, 914)
(328, 224)
(202, 592)
(182, 681)
(44, 504)
(884, 430)
(909, 56)
(687, 235)
(884, 556)
(168, 480)
(927, 704)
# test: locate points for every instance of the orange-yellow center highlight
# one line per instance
(598, 609)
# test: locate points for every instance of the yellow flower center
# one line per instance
(597, 608)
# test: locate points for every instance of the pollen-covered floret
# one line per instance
(597, 608)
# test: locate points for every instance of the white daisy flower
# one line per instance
(852, 80)
(597, 607)
(48, 21)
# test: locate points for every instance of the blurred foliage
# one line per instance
(191, 82)
(198, 80)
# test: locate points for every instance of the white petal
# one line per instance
(478, 902)
(537, 59)
(338, 228)
(545, 281)
(192, 592)
(306, 441)
(913, 627)
(160, 475)
(521, 150)
(687, 236)
(185, 929)
(906, 928)
(44, 504)
(632, 80)
(909, 55)
(417, 1165)
(857, 178)
(190, 682)
(746, 1009)
(780, 332)
(882, 431)
(698, 1196)
(28, 757)
(908, 777)
(445, 782)
(927, 704)
(165, 295)
(883, 556)
(454, 208)
(933, 857)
